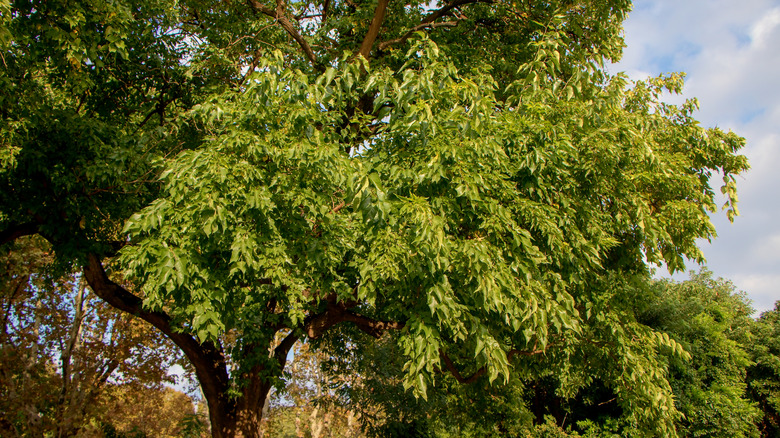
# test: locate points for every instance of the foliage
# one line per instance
(62, 349)
(763, 377)
(150, 412)
(612, 378)
(712, 321)
(720, 383)
(465, 173)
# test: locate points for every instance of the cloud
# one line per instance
(729, 51)
(763, 290)
(765, 26)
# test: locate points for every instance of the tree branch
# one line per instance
(429, 19)
(455, 373)
(325, 7)
(281, 17)
(281, 350)
(411, 31)
(15, 231)
(370, 326)
(207, 358)
(337, 313)
(480, 372)
(373, 29)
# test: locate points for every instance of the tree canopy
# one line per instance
(243, 175)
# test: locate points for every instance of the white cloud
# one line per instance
(761, 30)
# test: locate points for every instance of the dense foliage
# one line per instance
(65, 355)
(727, 387)
(463, 173)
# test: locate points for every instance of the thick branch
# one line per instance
(325, 7)
(280, 16)
(373, 29)
(281, 350)
(372, 327)
(480, 372)
(337, 313)
(429, 19)
(15, 231)
(455, 373)
(207, 358)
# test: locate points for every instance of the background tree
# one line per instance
(307, 405)
(63, 348)
(763, 377)
(140, 411)
(712, 320)
(305, 165)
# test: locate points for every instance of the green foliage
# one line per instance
(481, 184)
(763, 377)
(470, 222)
(695, 345)
(712, 321)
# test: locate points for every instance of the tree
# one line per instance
(711, 319)
(308, 404)
(465, 173)
(763, 377)
(62, 349)
(721, 386)
(148, 412)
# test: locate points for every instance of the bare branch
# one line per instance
(325, 7)
(281, 350)
(373, 327)
(455, 373)
(207, 358)
(336, 209)
(337, 313)
(15, 231)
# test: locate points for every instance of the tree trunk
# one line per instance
(66, 403)
(239, 418)
(230, 417)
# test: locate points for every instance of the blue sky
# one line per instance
(730, 51)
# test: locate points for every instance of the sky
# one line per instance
(730, 51)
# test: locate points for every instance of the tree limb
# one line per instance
(411, 31)
(373, 29)
(15, 231)
(281, 17)
(281, 350)
(373, 327)
(207, 358)
(337, 313)
(325, 7)
(455, 373)
(429, 19)
(480, 372)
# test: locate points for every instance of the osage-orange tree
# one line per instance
(245, 175)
